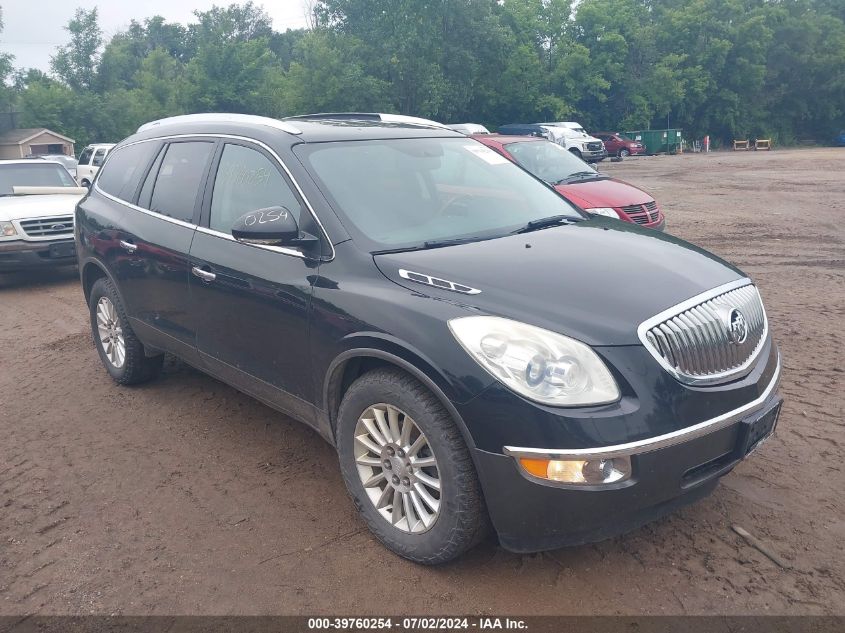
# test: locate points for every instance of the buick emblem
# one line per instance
(737, 327)
(58, 227)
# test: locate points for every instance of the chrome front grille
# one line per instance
(642, 213)
(595, 146)
(712, 338)
(48, 227)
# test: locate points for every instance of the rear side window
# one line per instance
(85, 156)
(179, 179)
(122, 175)
(99, 157)
(247, 180)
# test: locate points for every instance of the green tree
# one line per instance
(7, 94)
(76, 62)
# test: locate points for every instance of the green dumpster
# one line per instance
(658, 141)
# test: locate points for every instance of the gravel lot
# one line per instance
(185, 496)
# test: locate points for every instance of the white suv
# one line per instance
(37, 200)
(573, 137)
(90, 161)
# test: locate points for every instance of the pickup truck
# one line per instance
(37, 201)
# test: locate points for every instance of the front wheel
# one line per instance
(408, 469)
(624, 153)
(576, 152)
(120, 350)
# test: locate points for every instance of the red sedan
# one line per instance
(577, 181)
(618, 144)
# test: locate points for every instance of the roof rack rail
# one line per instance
(213, 117)
(367, 116)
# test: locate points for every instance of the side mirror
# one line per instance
(274, 226)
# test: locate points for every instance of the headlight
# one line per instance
(607, 211)
(542, 366)
(7, 229)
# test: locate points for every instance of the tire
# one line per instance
(460, 521)
(135, 366)
(624, 153)
(576, 152)
(85, 183)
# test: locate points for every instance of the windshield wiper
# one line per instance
(542, 223)
(430, 244)
(579, 175)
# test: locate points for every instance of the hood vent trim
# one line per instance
(436, 282)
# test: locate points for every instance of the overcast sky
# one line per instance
(33, 28)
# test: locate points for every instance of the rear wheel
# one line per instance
(408, 469)
(120, 350)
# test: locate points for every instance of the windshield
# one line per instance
(404, 193)
(549, 161)
(34, 174)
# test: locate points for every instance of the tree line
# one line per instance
(727, 68)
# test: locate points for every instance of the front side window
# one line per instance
(122, 175)
(33, 174)
(549, 161)
(247, 180)
(402, 193)
(179, 178)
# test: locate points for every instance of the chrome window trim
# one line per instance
(264, 146)
(736, 372)
(654, 443)
(276, 249)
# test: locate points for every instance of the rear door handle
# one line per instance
(129, 247)
(205, 275)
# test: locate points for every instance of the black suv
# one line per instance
(479, 351)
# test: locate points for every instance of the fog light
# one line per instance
(579, 471)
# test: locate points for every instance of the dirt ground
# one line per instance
(185, 496)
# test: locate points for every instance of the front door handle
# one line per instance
(205, 275)
(129, 247)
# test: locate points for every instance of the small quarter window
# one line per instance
(179, 179)
(247, 180)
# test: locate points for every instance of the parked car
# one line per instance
(37, 199)
(574, 138)
(68, 162)
(577, 181)
(90, 161)
(469, 128)
(477, 349)
(525, 129)
(617, 144)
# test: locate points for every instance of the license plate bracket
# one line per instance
(756, 429)
(67, 249)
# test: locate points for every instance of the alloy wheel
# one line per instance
(110, 332)
(398, 468)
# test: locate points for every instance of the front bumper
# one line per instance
(593, 155)
(669, 471)
(25, 255)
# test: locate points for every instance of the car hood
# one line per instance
(38, 206)
(596, 280)
(603, 193)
